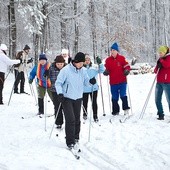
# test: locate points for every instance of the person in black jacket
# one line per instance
(54, 70)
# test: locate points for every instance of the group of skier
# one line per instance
(70, 81)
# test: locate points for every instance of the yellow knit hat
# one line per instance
(163, 49)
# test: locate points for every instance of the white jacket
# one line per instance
(5, 62)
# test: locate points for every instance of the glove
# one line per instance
(30, 81)
(30, 60)
(46, 73)
(60, 98)
(126, 72)
(98, 60)
(105, 73)
(159, 64)
(92, 81)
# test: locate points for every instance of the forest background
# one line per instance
(90, 26)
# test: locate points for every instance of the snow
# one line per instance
(136, 144)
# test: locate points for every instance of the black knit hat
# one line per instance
(26, 47)
(79, 57)
(59, 59)
(42, 57)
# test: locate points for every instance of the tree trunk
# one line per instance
(75, 48)
(93, 28)
(12, 35)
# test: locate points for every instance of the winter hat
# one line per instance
(163, 49)
(3, 47)
(115, 47)
(64, 51)
(59, 59)
(79, 57)
(26, 47)
(42, 56)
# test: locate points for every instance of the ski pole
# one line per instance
(33, 92)
(104, 114)
(55, 119)
(90, 116)
(12, 89)
(130, 99)
(109, 93)
(147, 99)
(45, 111)
(9, 72)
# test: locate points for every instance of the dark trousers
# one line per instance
(2, 79)
(19, 78)
(59, 119)
(72, 110)
(93, 97)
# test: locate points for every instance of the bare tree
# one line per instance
(12, 29)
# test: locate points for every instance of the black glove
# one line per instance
(98, 60)
(126, 72)
(30, 81)
(92, 81)
(60, 98)
(30, 60)
(105, 73)
(159, 64)
(46, 73)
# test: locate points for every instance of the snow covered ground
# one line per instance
(25, 144)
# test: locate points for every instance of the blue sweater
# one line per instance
(93, 71)
(70, 82)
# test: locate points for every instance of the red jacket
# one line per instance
(163, 76)
(116, 67)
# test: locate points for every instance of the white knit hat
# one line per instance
(3, 47)
(64, 51)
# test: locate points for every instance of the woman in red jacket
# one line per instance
(163, 80)
(117, 68)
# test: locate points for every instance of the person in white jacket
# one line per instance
(4, 63)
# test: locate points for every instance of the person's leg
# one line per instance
(22, 84)
(167, 93)
(94, 104)
(2, 79)
(85, 103)
(77, 110)
(17, 80)
(41, 94)
(115, 98)
(69, 121)
(123, 96)
(158, 100)
(59, 119)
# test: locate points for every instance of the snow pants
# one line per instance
(72, 109)
(94, 103)
(59, 119)
(19, 78)
(119, 90)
